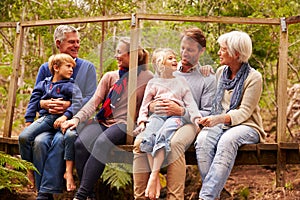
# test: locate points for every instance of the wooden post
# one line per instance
(282, 103)
(13, 86)
(101, 49)
(132, 83)
(103, 29)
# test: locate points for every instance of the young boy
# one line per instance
(59, 85)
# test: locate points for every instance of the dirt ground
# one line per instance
(257, 182)
(245, 182)
(253, 182)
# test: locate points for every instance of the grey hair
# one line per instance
(59, 33)
(237, 42)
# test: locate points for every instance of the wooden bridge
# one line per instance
(279, 154)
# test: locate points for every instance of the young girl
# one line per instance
(60, 85)
(160, 128)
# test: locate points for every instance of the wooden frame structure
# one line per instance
(280, 153)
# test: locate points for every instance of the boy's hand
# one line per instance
(27, 124)
(55, 106)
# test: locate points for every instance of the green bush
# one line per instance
(13, 172)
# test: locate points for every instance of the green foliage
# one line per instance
(289, 186)
(110, 65)
(244, 193)
(5, 71)
(10, 9)
(117, 175)
(13, 172)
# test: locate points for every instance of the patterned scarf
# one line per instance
(114, 96)
(227, 84)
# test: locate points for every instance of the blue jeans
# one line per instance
(69, 138)
(44, 124)
(48, 158)
(158, 133)
(216, 150)
(26, 138)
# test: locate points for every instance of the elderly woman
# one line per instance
(108, 128)
(235, 119)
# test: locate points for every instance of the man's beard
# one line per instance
(187, 64)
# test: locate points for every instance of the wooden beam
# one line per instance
(13, 86)
(212, 19)
(132, 82)
(293, 19)
(8, 24)
(250, 154)
(75, 20)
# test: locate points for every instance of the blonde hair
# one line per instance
(237, 42)
(58, 59)
(159, 58)
(143, 54)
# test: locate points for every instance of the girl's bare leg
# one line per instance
(69, 175)
(150, 161)
(153, 186)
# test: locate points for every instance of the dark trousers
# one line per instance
(92, 147)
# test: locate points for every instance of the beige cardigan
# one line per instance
(104, 86)
(248, 113)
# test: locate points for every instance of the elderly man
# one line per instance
(48, 148)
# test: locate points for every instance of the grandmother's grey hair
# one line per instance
(237, 42)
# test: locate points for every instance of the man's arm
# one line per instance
(207, 96)
(43, 73)
(86, 79)
(33, 105)
(76, 102)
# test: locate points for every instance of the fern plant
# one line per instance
(13, 172)
(117, 175)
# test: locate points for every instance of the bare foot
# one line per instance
(70, 181)
(158, 188)
(153, 187)
(30, 176)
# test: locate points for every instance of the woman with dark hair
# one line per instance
(108, 128)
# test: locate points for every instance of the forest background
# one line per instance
(38, 44)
